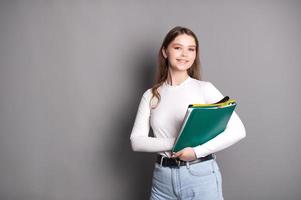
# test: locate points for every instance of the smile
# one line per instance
(182, 61)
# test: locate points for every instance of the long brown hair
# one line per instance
(162, 69)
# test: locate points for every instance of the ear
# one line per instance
(164, 53)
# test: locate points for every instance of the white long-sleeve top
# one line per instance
(166, 120)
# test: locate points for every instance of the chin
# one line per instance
(180, 68)
(177, 67)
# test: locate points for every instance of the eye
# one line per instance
(177, 48)
(191, 49)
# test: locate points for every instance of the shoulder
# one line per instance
(147, 94)
(147, 97)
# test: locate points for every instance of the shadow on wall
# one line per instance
(133, 168)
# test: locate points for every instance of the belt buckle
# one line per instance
(178, 161)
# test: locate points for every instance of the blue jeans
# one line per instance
(199, 181)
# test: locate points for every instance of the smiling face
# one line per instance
(181, 52)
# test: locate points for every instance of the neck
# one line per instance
(176, 77)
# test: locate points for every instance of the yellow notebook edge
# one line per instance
(230, 101)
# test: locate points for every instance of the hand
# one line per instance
(186, 154)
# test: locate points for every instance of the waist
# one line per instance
(175, 162)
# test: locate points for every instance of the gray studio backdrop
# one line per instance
(72, 74)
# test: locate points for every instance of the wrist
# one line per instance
(194, 153)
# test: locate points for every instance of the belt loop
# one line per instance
(161, 161)
(187, 164)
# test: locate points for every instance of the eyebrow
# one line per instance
(182, 45)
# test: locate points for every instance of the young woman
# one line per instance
(163, 107)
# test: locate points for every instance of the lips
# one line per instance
(182, 60)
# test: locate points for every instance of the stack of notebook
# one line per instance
(203, 122)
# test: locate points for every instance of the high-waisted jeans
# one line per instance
(199, 181)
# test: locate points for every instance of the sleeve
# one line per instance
(234, 131)
(140, 140)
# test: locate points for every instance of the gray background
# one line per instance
(73, 72)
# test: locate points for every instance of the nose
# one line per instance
(184, 52)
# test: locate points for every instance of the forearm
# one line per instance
(151, 144)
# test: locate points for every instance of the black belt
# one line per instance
(175, 162)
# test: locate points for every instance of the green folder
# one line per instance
(203, 122)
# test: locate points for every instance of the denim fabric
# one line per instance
(200, 181)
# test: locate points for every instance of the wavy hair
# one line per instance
(162, 70)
